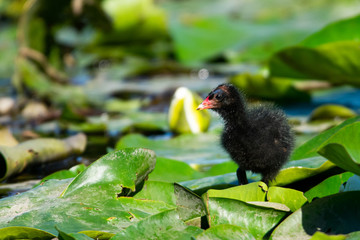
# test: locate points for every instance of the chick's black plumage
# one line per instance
(258, 139)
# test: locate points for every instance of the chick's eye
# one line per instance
(219, 97)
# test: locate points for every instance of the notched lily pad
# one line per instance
(258, 220)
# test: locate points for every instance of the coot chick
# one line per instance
(258, 139)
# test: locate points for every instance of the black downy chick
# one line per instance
(258, 139)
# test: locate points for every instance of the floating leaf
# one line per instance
(25, 233)
(342, 148)
(330, 54)
(294, 174)
(225, 232)
(165, 225)
(310, 148)
(169, 170)
(190, 206)
(89, 202)
(258, 220)
(335, 214)
(331, 111)
(292, 198)
(247, 193)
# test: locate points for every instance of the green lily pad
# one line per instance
(294, 174)
(258, 220)
(133, 170)
(342, 148)
(169, 170)
(200, 186)
(335, 62)
(25, 233)
(330, 54)
(310, 148)
(72, 236)
(190, 148)
(225, 232)
(327, 187)
(291, 198)
(330, 33)
(247, 193)
(335, 214)
(89, 202)
(190, 206)
(165, 225)
(331, 111)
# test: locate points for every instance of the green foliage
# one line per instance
(330, 54)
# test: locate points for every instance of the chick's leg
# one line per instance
(241, 175)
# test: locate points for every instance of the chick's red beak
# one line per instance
(206, 104)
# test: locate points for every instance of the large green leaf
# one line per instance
(310, 148)
(342, 148)
(91, 201)
(225, 232)
(297, 173)
(25, 233)
(109, 175)
(330, 33)
(247, 193)
(336, 214)
(190, 206)
(330, 54)
(291, 198)
(169, 170)
(258, 220)
(335, 62)
(199, 186)
(165, 225)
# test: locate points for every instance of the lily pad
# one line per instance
(25, 233)
(331, 111)
(335, 214)
(292, 198)
(169, 170)
(89, 202)
(258, 220)
(165, 225)
(294, 174)
(342, 148)
(225, 232)
(310, 148)
(247, 193)
(329, 54)
(190, 206)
